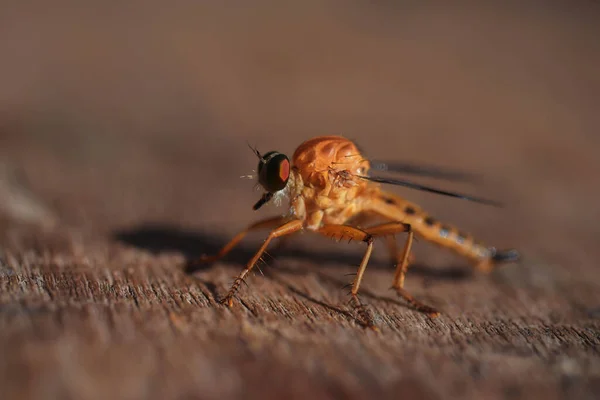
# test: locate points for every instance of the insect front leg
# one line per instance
(286, 229)
(262, 224)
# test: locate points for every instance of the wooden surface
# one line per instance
(122, 139)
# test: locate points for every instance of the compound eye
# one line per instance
(274, 171)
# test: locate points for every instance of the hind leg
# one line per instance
(367, 236)
(402, 261)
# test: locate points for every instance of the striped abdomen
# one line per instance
(397, 209)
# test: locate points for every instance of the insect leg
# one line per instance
(398, 282)
(286, 229)
(348, 232)
(389, 229)
(402, 261)
(395, 255)
(262, 224)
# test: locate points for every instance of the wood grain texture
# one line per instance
(120, 162)
(122, 323)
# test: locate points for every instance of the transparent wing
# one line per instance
(418, 186)
(430, 171)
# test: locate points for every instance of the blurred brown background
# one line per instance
(123, 135)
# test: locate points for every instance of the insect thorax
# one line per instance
(318, 158)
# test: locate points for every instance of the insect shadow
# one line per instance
(158, 239)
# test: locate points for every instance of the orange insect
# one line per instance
(330, 192)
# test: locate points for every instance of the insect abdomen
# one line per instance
(398, 209)
(449, 237)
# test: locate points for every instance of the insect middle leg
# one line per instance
(348, 232)
(367, 236)
(286, 229)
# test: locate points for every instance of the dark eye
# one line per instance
(273, 171)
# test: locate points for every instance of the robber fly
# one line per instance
(331, 191)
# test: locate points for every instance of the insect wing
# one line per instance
(424, 171)
(418, 186)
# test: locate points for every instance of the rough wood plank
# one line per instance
(110, 183)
